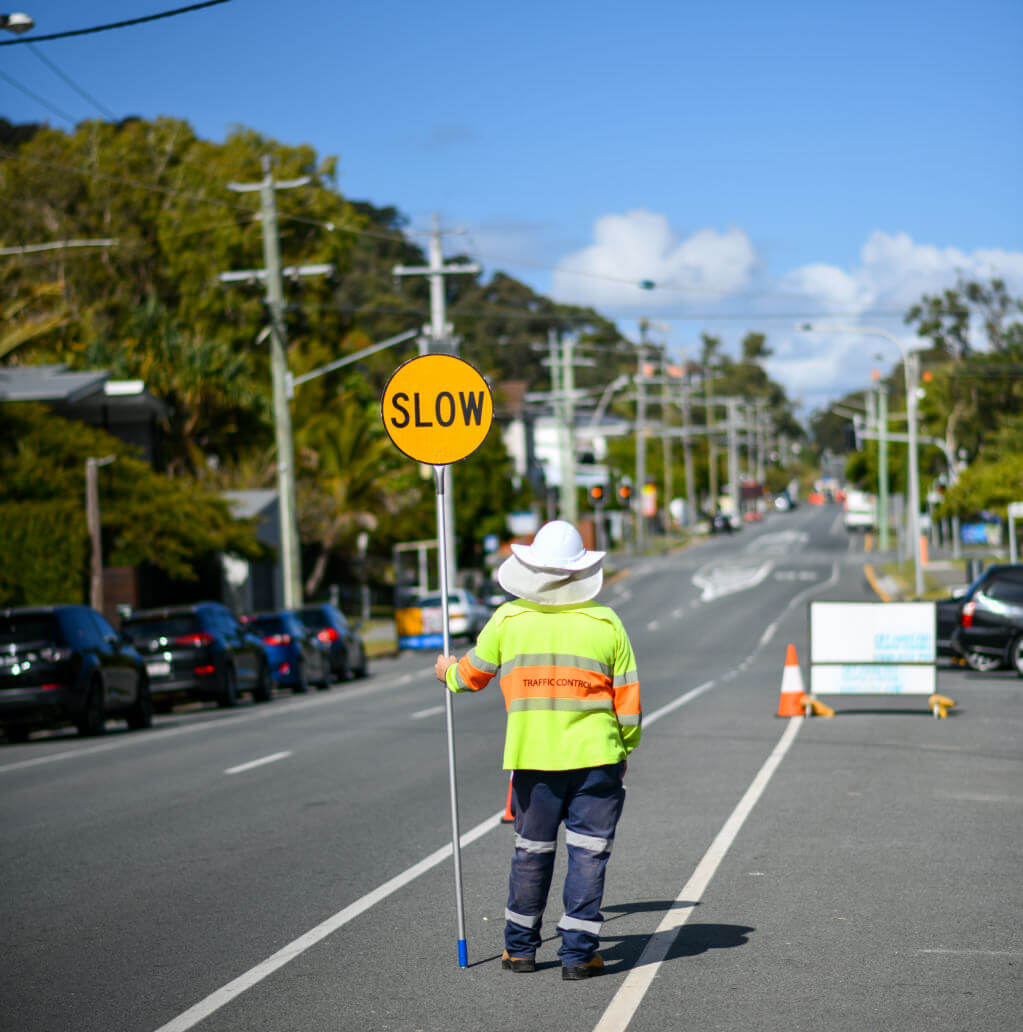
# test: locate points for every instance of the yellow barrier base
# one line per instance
(940, 705)
(816, 708)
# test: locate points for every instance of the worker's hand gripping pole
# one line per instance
(441, 480)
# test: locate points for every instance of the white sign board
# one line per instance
(872, 648)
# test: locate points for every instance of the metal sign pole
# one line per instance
(440, 479)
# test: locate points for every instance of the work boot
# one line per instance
(594, 966)
(520, 965)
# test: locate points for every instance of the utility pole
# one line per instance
(637, 499)
(882, 462)
(712, 452)
(733, 455)
(95, 536)
(666, 450)
(291, 556)
(569, 499)
(687, 452)
(440, 334)
(912, 362)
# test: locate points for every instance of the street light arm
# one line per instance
(348, 359)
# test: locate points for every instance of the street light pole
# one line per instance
(92, 466)
(911, 365)
(882, 463)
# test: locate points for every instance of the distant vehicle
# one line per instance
(947, 616)
(67, 664)
(493, 595)
(860, 511)
(297, 656)
(347, 650)
(722, 523)
(990, 631)
(467, 616)
(199, 651)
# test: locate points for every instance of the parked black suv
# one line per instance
(990, 631)
(347, 650)
(199, 651)
(66, 664)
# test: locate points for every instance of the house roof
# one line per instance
(50, 383)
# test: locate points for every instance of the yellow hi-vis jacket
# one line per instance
(568, 675)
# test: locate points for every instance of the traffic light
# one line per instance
(597, 494)
(624, 493)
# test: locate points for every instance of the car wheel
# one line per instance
(228, 696)
(324, 680)
(344, 671)
(17, 733)
(263, 690)
(301, 679)
(140, 716)
(1016, 655)
(981, 662)
(93, 720)
(362, 670)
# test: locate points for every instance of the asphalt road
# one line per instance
(855, 873)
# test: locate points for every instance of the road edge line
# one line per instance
(624, 1004)
(219, 998)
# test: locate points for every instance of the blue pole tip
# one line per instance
(463, 954)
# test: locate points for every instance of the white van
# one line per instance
(860, 511)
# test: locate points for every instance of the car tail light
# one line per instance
(49, 687)
(966, 616)
(205, 671)
(276, 639)
(201, 638)
(328, 635)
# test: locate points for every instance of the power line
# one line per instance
(115, 25)
(40, 100)
(103, 109)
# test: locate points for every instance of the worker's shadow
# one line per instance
(622, 953)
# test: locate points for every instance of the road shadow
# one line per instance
(880, 711)
(622, 953)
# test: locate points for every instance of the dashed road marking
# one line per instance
(261, 762)
(432, 711)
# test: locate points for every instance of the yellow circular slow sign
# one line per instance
(437, 409)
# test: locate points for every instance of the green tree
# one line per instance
(170, 523)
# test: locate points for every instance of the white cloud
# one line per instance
(641, 245)
(893, 271)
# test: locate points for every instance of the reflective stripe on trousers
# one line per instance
(590, 803)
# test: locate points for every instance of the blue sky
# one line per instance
(763, 163)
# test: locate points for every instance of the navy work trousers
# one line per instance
(589, 801)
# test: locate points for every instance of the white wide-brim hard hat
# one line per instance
(555, 570)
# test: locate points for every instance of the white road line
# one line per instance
(630, 994)
(160, 733)
(204, 1008)
(796, 599)
(261, 762)
(653, 625)
(651, 718)
(405, 679)
(427, 712)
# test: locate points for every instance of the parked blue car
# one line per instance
(297, 657)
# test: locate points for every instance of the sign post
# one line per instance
(437, 409)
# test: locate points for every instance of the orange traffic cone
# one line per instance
(509, 817)
(793, 698)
